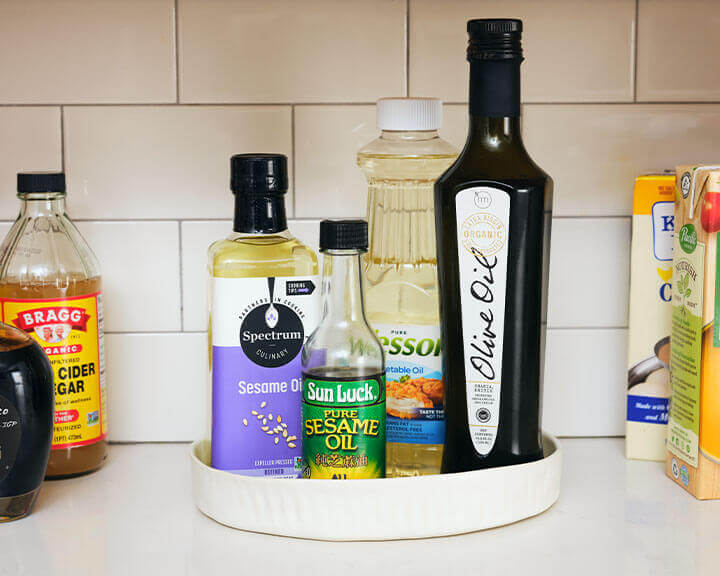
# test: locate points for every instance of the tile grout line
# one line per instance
(177, 332)
(195, 220)
(177, 54)
(407, 48)
(635, 50)
(338, 104)
(62, 138)
(292, 159)
(180, 270)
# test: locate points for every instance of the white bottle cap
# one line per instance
(409, 114)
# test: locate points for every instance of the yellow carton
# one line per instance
(693, 443)
(648, 385)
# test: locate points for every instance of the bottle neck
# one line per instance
(257, 214)
(341, 288)
(44, 204)
(495, 102)
(408, 135)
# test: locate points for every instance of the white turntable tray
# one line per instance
(382, 509)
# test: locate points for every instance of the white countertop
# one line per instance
(136, 516)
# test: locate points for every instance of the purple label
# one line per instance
(256, 415)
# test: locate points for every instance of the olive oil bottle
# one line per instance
(493, 210)
(263, 306)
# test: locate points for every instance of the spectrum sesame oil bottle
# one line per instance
(264, 303)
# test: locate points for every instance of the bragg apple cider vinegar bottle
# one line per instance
(50, 287)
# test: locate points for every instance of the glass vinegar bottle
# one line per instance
(50, 286)
(400, 275)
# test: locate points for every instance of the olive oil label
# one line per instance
(259, 326)
(10, 436)
(343, 427)
(687, 341)
(483, 216)
(415, 391)
(70, 330)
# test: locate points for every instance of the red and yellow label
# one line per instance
(71, 333)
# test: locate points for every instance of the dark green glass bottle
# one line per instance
(493, 213)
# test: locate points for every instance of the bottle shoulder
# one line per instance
(512, 165)
(46, 249)
(240, 255)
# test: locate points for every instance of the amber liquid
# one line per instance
(64, 462)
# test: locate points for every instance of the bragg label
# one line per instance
(343, 427)
(71, 333)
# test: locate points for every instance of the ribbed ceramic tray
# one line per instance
(387, 509)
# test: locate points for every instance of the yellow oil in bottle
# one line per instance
(400, 281)
(264, 303)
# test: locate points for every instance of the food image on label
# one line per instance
(10, 436)
(343, 426)
(415, 389)
(70, 330)
(483, 215)
(259, 326)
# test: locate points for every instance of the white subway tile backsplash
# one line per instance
(29, 141)
(328, 182)
(576, 50)
(279, 51)
(140, 264)
(196, 238)
(157, 387)
(589, 272)
(78, 51)
(678, 45)
(594, 151)
(585, 382)
(144, 162)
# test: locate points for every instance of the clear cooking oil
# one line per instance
(264, 303)
(400, 276)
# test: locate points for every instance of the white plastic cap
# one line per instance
(409, 114)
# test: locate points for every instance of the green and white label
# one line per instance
(343, 427)
(686, 347)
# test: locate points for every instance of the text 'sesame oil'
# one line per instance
(493, 212)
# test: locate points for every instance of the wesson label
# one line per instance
(343, 427)
(415, 391)
(483, 216)
(70, 330)
(259, 326)
(686, 348)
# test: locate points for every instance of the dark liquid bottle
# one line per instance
(26, 421)
(493, 212)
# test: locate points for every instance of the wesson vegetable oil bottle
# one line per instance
(402, 306)
(263, 306)
(50, 288)
(343, 403)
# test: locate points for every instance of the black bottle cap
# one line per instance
(495, 39)
(258, 174)
(39, 182)
(343, 235)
